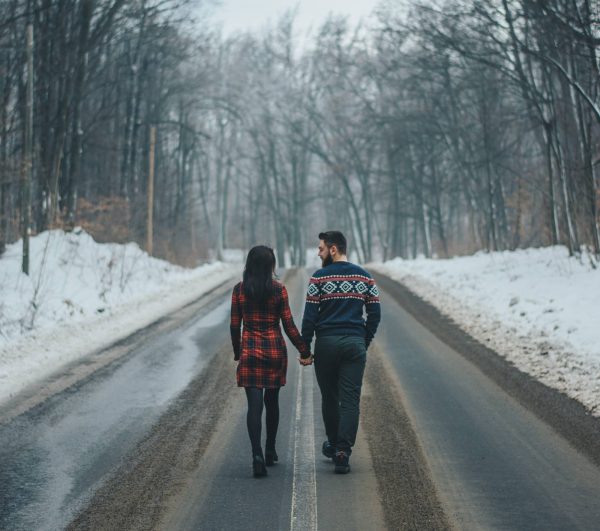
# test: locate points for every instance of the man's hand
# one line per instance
(306, 361)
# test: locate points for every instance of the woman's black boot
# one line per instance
(271, 456)
(258, 466)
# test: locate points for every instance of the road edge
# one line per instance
(565, 415)
(77, 372)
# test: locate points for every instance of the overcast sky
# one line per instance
(253, 14)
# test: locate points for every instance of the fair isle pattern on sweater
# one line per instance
(332, 287)
(337, 298)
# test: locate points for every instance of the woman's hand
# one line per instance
(306, 361)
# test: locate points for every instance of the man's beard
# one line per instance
(327, 261)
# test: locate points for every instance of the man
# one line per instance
(337, 294)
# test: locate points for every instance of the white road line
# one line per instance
(304, 483)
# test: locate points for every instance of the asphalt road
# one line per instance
(156, 439)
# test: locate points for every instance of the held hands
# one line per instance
(306, 361)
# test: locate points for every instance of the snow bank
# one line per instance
(538, 308)
(82, 296)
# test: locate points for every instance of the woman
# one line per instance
(260, 302)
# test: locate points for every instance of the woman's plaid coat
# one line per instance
(262, 353)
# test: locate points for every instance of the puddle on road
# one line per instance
(52, 462)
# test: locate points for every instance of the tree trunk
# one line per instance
(87, 9)
(27, 155)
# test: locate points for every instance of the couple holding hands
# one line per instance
(336, 297)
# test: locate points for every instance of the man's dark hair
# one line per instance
(334, 237)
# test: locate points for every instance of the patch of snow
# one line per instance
(234, 255)
(82, 296)
(539, 308)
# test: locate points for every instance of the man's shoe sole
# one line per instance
(342, 469)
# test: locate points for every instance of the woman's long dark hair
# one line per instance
(258, 274)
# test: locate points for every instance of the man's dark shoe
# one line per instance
(328, 450)
(271, 456)
(342, 462)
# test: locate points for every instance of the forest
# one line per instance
(434, 128)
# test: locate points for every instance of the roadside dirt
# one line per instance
(404, 481)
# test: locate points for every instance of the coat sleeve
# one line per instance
(311, 310)
(235, 324)
(373, 309)
(290, 327)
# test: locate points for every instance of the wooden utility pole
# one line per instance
(27, 154)
(149, 227)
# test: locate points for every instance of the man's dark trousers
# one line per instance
(339, 366)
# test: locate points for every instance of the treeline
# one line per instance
(434, 129)
(104, 73)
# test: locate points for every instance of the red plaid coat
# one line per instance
(262, 352)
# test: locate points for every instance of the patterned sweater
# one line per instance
(336, 297)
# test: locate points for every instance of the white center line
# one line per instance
(304, 484)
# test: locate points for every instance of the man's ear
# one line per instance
(333, 250)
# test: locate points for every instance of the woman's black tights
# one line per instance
(254, 418)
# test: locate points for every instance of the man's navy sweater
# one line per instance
(336, 297)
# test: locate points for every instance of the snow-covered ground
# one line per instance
(539, 308)
(82, 296)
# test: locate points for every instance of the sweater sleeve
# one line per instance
(373, 309)
(311, 310)
(290, 327)
(235, 324)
